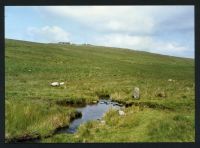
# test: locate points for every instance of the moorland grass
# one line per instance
(35, 119)
(90, 72)
(138, 125)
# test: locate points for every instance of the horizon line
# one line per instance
(71, 43)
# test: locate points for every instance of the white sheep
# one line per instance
(55, 84)
(170, 80)
(62, 83)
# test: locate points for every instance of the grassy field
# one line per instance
(33, 107)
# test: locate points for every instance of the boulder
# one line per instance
(121, 113)
(106, 102)
(103, 122)
(136, 93)
(120, 105)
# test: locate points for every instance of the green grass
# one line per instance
(90, 72)
(139, 125)
(33, 118)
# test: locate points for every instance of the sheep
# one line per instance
(62, 83)
(55, 84)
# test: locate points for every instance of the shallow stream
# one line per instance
(91, 112)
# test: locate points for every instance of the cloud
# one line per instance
(144, 43)
(129, 19)
(48, 34)
(104, 18)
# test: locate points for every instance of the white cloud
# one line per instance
(48, 34)
(131, 19)
(120, 40)
(144, 43)
(104, 18)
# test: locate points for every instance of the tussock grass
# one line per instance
(35, 118)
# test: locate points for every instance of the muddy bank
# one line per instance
(152, 105)
(72, 103)
(24, 138)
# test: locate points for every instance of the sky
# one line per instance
(167, 30)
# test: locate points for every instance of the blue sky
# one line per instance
(165, 30)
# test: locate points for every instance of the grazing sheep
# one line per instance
(55, 84)
(62, 83)
(170, 80)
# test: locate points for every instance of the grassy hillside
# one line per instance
(165, 111)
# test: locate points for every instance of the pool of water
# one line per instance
(91, 112)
